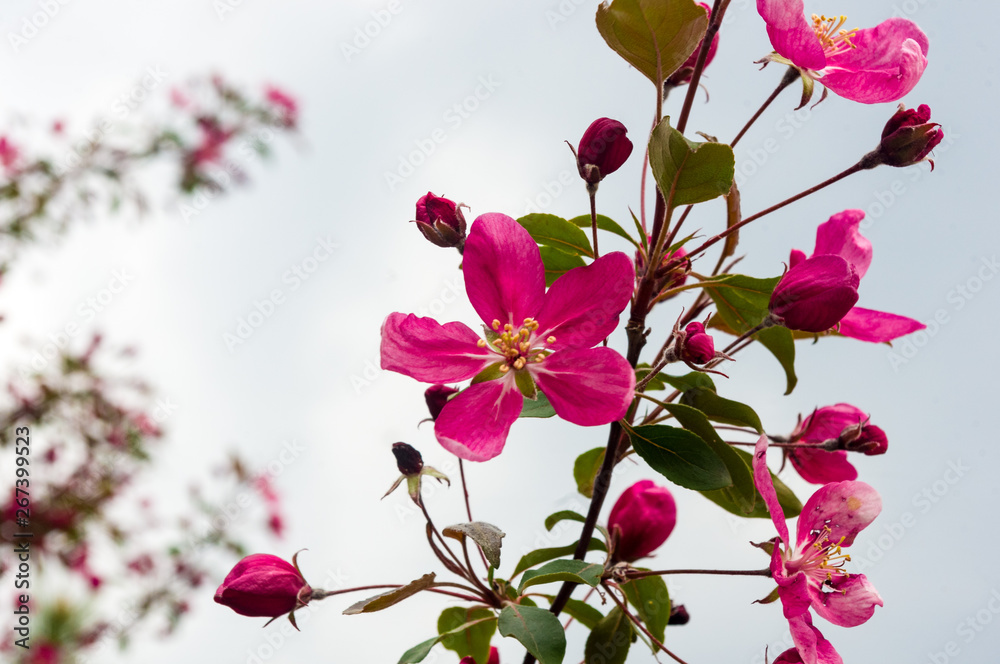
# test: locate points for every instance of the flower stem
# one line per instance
(635, 621)
(790, 77)
(593, 218)
(640, 574)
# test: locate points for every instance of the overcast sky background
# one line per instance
(309, 373)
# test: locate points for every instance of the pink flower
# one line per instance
(213, 139)
(287, 103)
(534, 338)
(815, 294)
(822, 466)
(698, 346)
(839, 236)
(603, 149)
(644, 516)
(870, 66)
(809, 641)
(264, 585)
(810, 574)
(9, 155)
(441, 221)
(686, 70)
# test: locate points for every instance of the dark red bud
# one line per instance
(441, 221)
(408, 459)
(871, 440)
(644, 516)
(603, 149)
(698, 346)
(678, 615)
(263, 585)
(815, 294)
(437, 396)
(908, 137)
(494, 658)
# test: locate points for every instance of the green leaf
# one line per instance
(790, 504)
(418, 652)
(651, 600)
(473, 641)
(552, 231)
(654, 36)
(539, 556)
(688, 172)
(680, 456)
(540, 407)
(385, 600)
(486, 535)
(742, 492)
(742, 304)
(577, 571)
(538, 630)
(585, 470)
(780, 342)
(604, 224)
(563, 515)
(610, 639)
(695, 379)
(584, 613)
(558, 263)
(722, 410)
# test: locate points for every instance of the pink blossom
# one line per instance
(815, 294)
(644, 516)
(811, 574)
(213, 139)
(441, 221)
(263, 585)
(698, 346)
(287, 103)
(9, 154)
(908, 137)
(839, 236)
(534, 338)
(809, 641)
(870, 65)
(823, 466)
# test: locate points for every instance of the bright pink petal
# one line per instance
(424, 349)
(504, 274)
(850, 602)
(885, 65)
(791, 34)
(822, 466)
(846, 508)
(474, 425)
(829, 422)
(588, 386)
(839, 236)
(582, 306)
(809, 642)
(762, 478)
(796, 257)
(793, 590)
(876, 326)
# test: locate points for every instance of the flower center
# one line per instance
(517, 346)
(832, 37)
(821, 560)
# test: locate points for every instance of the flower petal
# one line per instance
(885, 64)
(504, 274)
(815, 294)
(790, 33)
(424, 349)
(793, 590)
(762, 478)
(851, 601)
(589, 386)
(822, 466)
(474, 425)
(839, 236)
(582, 306)
(809, 642)
(846, 508)
(829, 422)
(876, 326)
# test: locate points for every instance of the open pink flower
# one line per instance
(534, 339)
(810, 574)
(871, 66)
(839, 236)
(823, 466)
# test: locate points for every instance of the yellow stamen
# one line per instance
(550, 339)
(481, 343)
(832, 37)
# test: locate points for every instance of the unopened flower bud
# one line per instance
(437, 396)
(870, 440)
(698, 346)
(263, 585)
(684, 73)
(644, 517)
(408, 459)
(603, 149)
(790, 656)
(676, 277)
(494, 658)
(441, 221)
(908, 137)
(678, 615)
(815, 294)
